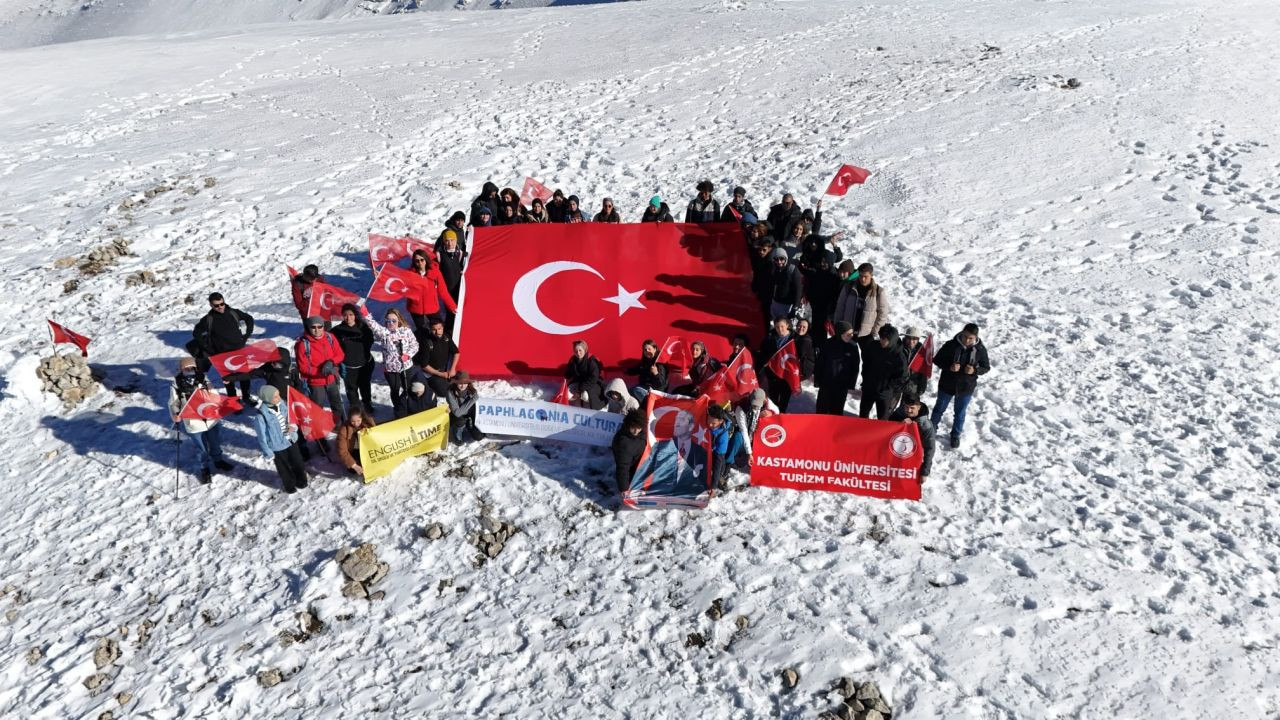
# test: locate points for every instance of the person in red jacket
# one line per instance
(319, 356)
(301, 285)
(424, 302)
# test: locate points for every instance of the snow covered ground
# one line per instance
(1105, 544)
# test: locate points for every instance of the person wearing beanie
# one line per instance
(913, 411)
(484, 217)
(607, 214)
(836, 373)
(419, 399)
(278, 439)
(462, 397)
(703, 208)
(884, 374)
(574, 213)
(487, 200)
(962, 360)
(863, 304)
(558, 208)
(222, 329)
(457, 222)
(320, 356)
(399, 345)
(739, 208)
(657, 211)
(911, 344)
(301, 287)
(205, 434)
(786, 286)
(451, 261)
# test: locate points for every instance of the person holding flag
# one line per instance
(884, 374)
(278, 438)
(221, 330)
(301, 284)
(650, 374)
(919, 360)
(319, 354)
(207, 434)
(399, 345)
(782, 372)
(423, 300)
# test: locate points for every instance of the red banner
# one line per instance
(313, 421)
(207, 405)
(876, 458)
(532, 289)
(675, 470)
(327, 300)
(846, 177)
(63, 335)
(384, 249)
(246, 359)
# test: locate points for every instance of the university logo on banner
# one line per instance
(383, 447)
(246, 359)
(327, 300)
(546, 285)
(876, 458)
(313, 421)
(384, 249)
(547, 421)
(208, 405)
(675, 470)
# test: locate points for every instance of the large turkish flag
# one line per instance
(530, 290)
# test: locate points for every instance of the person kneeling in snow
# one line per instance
(419, 399)
(462, 397)
(349, 440)
(278, 439)
(618, 399)
(628, 446)
(583, 372)
(913, 411)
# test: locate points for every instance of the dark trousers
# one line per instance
(293, 474)
(778, 391)
(831, 399)
(399, 385)
(438, 385)
(359, 382)
(331, 393)
(884, 402)
(241, 379)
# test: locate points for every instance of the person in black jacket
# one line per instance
(451, 260)
(607, 213)
(657, 211)
(739, 208)
(703, 208)
(486, 200)
(762, 275)
(558, 208)
(585, 375)
(962, 359)
(222, 329)
(776, 388)
(437, 358)
(650, 374)
(836, 372)
(822, 287)
(912, 410)
(884, 374)
(574, 212)
(356, 340)
(804, 348)
(786, 288)
(783, 218)
(418, 399)
(628, 446)
(458, 224)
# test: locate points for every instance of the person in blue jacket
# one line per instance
(278, 439)
(716, 421)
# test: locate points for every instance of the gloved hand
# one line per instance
(328, 369)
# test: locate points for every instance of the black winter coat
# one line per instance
(557, 212)
(822, 287)
(356, 342)
(786, 285)
(451, 267)
(627, 450)
(700, 212)
(884, 369)
(804, 349)
(662, 214)
(586, 371)
(928, 435)
(784, 221)
(727, 215)
(488, 198)
(837, 365)
(952, 352)
(647, 379)
(219, 332)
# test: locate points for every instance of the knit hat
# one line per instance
(268, 394)
(778, 253)
(315, 320)
(311, 272)
(449, 234)
(655, 201)
(458, 215)
(484, 210)
(843, 327)
(186, 362)
(913, 331)
(418, 388)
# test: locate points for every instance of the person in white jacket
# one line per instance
(207, 434)
(399, 345)
(620, 401)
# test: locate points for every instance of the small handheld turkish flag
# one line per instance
(246, 359)
(292, 273)
(63, 335)
(327, 300)
(562, 397)
(533, 189)
(676, 353)
(384, 249)
(847, 176)
(393, 283)
(207, 405)
(923, 361)
(313, 421)
(786, 365)
(733, 381)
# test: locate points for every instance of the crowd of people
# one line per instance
(835, 312)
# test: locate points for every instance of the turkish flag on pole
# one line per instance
(923, 361)
(533, 189)
(676, 353)
(292, 273)
(563, 396)
(731, 382)
(786, 365)
(327, 300)
(63, 335)
(530, 290)
(846, 177)
(207, 405)
(313, 421)
(246, 359)
(384, 249)
(393, 283)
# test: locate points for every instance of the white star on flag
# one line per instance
(700, 435)
(626, 300)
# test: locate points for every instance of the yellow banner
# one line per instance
(383, 447)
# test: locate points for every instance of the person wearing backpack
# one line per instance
(319, 355)
(222, 329)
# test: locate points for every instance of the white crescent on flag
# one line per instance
(524, 297)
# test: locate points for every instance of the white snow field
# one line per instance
(1104, 544)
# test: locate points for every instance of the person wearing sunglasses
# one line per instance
(222, 329)
(607, 214)
(399, 345)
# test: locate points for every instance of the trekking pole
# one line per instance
(177, 460)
